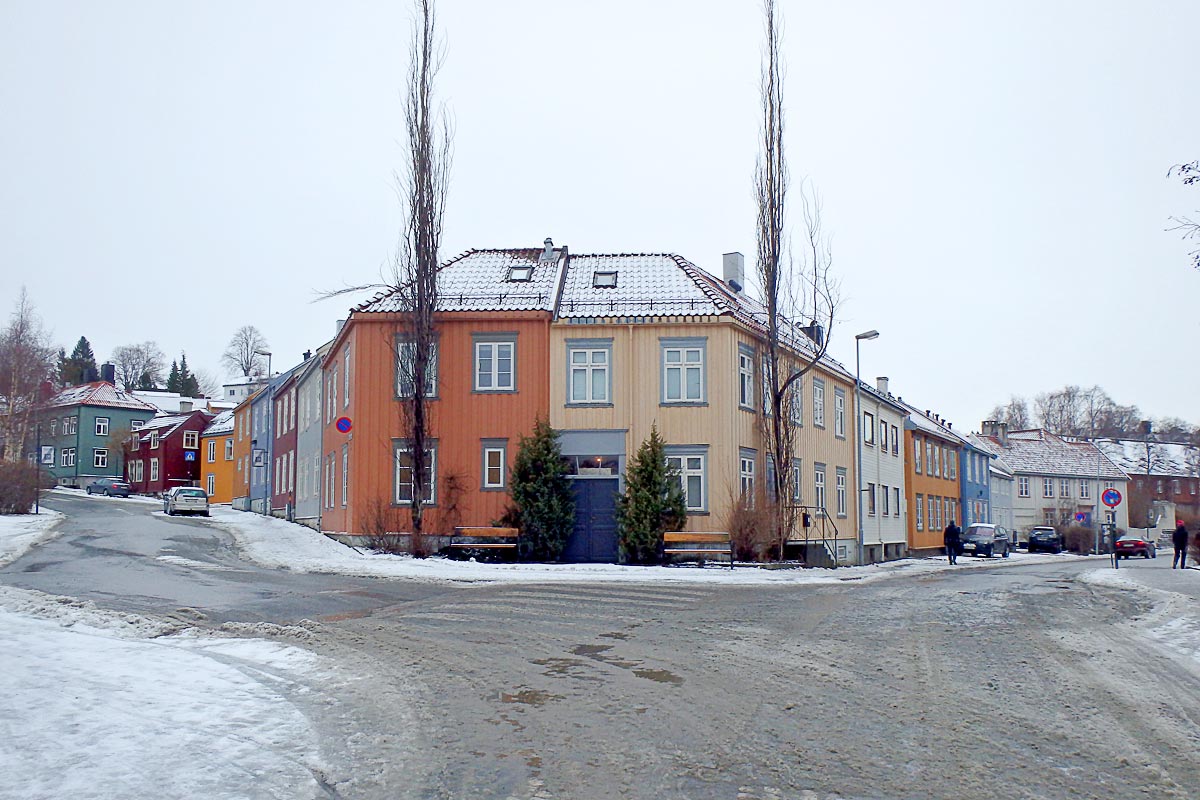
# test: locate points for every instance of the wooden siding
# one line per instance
(460, 419)
(222, 470)
(927, 486)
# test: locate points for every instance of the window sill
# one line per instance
(683, 403)
(493, 488)
(588, 405)
(493, 391)
(699, 513)
(747, 408)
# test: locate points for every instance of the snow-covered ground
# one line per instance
(1174, 622)
(19, 532)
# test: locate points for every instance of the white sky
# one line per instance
(994, 175)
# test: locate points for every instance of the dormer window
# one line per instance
(604, 280)
(520, 274)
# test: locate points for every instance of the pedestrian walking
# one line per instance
(952, 539)
(1180, 539)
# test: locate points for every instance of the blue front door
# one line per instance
(594, 537)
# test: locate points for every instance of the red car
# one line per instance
(1129, 546)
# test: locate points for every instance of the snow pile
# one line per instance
(1175, 623)
(102, 711)
(19, 532)
(273, 542)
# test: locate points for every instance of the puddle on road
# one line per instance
(529, 697)
(596, 652)
(615, 635)
(659, 676)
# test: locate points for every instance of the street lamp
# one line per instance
(858, 435)
(266, 353)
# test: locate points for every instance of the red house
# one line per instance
(165, 452)
(283, 450)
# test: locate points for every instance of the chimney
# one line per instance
(733, 266)
(307, 355)
(999, 430)
(547, 256)
(185, 406)
(815, 332)
(881, 384)
(108, 373)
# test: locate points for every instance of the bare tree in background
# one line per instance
(138, 365)
(210, 385)
(1188, 228)
(412, 284)
(793, 290)
(1015, 413)
(243, 356)
(27, 361)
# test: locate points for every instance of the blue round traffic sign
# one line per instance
(344, 424)
(1111, 498)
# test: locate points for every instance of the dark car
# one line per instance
(1133, 545)
(109, 487)
(1046, 540)
(986, 540)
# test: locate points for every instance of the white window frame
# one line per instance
(229, 448)
(818, 386)
(212, 451)
(492, 348)
(1047, 488)
(346, 378)
(839, 479)
(745, 378)
(404, 387)
(402, 448)
(100, 458)
(688, 463)
(797, 481)
(102, 425)
(839, 413)
(153, 470)
(1064, 488)
(345, 474)
(919, 510)
(210, 484)
(153, 440)
(747, 460)
(819, 487)
(191, 440)
(682, 358)
(594, 364)
(494, 476)
(1085, 489)
(1022, 486)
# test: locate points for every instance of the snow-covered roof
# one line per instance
(929, 424)
(166, 424)
(169, 401)
(1040, 452)
(98, 393)
(1168, 459)
(221, 424)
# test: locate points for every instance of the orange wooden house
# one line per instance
(932, 481)
(490, 383)
(240, 480)
(217, 466)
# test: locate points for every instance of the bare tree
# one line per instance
(138, 365)
(1189, 229)
(244, 354)
(210, 385)
(27, 361)
(1015, 413)
(793, 290)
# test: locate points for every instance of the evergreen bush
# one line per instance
(541, 495)
(652, 503)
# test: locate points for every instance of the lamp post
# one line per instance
(858, 435)
(266, 353)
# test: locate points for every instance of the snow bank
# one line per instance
(1174, 623)
(19, 532)
(95, 704)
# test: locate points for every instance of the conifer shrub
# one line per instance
(541, 495)
(652, 503)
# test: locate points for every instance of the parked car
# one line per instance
(1045, 539)
(982, 539)
(1133, 545)
(185, 500)
(109, 487)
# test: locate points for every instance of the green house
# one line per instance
(84, 432)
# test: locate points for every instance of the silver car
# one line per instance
(185, 500)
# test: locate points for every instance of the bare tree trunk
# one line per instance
(26, 361)
(791, 349)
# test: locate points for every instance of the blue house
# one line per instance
(975, 482)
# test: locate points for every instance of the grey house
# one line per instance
(309, 399)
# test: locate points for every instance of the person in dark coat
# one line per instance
(952, 539)
(1180, 539)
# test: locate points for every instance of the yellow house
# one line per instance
(651, 339)
(217, 458)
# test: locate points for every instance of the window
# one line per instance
(345, 474)
(818, 402)
(840, 488)
(870, 493)
(868, 428)
(929, 469)
(99, 458)
(920, 512)
(291, 470)
(589, 377)
(405, 356)
(970, 476)
(210, 484)
(139, 471)
(935, 513)
(135, 442)
(937, 460)
(746, 459)
(745, 377)
(883, 437)
(212, 451)
(345, 385)
(54, 427)
(819, 487)
(839, 413)
(229, 449)
(683, 370)
(689, 463)
(520, 274)
(70, 426)
(884, 498)
(1022, 487)
(153, 440)
(1176, 488)
(951, 463)
(495, 363)
(153, 470)
(916, 455)
(191, 440)
(768, 403)
(1047, 487)
(796, 484)
(1085, 490)
(1064, 488)
(494, 463)
(102, 426)
(604, 280)
(1049, 518)
(404, 477)
(796, 400)
(895, 501)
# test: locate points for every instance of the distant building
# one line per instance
(85, 431)
(166, 453)
(236, 390)
(1164, 480)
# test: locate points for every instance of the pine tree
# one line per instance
(653, 503)
(81, 366)
(541, 494)
(189, 386)
(146, 383)
(173, 377)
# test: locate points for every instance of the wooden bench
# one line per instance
(699, 545)
(484, 539)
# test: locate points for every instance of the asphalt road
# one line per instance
(1014, 682)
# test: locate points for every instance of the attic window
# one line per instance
(604, 280)
(520, 274)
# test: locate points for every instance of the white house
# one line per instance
(881, 454)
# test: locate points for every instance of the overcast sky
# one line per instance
(994, 175)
